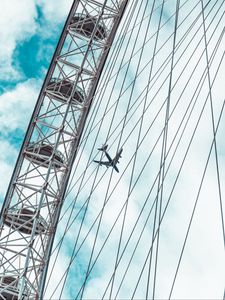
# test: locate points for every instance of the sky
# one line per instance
(27, 45)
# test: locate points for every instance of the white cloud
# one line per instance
(16, 105)
(8, 156)
(55, 12)
(17, 23)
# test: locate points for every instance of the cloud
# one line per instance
(17, 105)
(21, 23)
(16, 26)
(8, 156)
(55, 12)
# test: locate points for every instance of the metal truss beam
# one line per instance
(36, 192)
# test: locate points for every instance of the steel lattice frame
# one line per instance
(35, 195)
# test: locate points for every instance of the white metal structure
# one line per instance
(155, 230)
(35, 196)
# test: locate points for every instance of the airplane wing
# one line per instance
(104, 163)
(107, 164)
(117, 157)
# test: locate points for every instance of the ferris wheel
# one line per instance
(118, 189)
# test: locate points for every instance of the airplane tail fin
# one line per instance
(103, 148)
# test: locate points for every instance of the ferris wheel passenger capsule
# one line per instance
(85, 25)
(9, 287)
(62, 90)
(22, 220)
(41, 154)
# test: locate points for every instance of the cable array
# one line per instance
(159, 99)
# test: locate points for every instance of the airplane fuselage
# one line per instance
(111, 162)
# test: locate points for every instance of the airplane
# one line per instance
(111, 162)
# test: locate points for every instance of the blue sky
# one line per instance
(27, 47)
